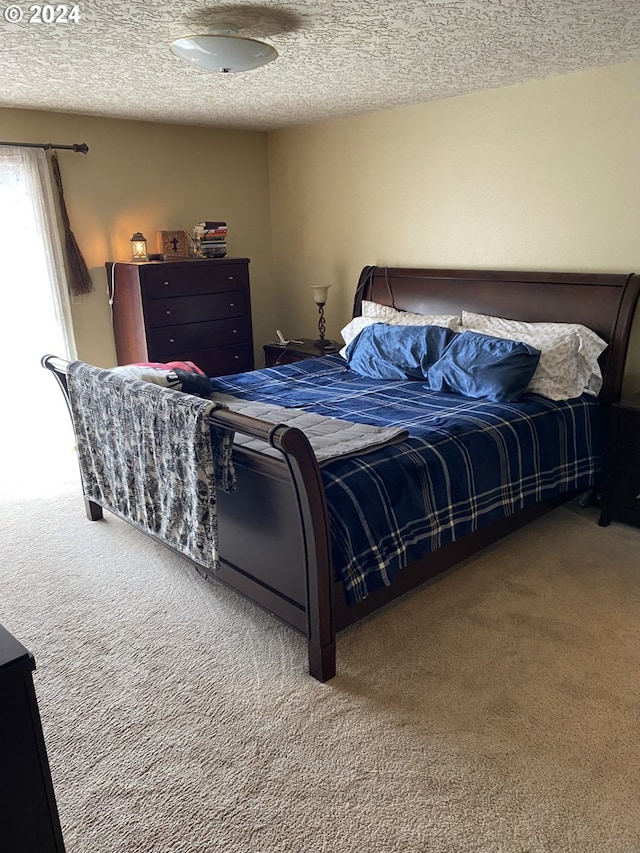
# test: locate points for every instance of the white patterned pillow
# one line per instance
(353, 328)
(387, 314)
(569, 353)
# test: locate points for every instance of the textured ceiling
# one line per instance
(337, 57)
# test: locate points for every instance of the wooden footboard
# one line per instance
(272, 529)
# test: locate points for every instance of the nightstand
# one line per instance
(621, 485)
(275, 354)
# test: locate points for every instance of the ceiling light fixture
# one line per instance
(221, 49)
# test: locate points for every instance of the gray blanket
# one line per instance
(330, 438)
(149, 454)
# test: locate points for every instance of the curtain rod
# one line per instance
(82, 148)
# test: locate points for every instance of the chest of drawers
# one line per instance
(187, 310)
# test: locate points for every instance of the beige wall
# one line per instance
(149, 177)
(538, 176)
(541, 176)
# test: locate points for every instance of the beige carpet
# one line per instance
(494, 710)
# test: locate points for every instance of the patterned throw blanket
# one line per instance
(149, 454)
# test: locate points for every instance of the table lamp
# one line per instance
(320, 294)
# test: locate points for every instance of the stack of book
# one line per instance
(211, 239)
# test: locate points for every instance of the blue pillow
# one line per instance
(476, 365)
(381, 351)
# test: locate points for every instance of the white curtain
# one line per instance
(31, 257)
(36, 439)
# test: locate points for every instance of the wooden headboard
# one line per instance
(604, 303)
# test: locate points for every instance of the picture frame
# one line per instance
(174, 244)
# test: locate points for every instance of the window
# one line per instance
(35, 431)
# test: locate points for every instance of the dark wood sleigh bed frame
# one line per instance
(273, 529)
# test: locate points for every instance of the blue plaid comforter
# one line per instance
(467, 462)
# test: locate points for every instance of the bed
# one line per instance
(282, 531)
